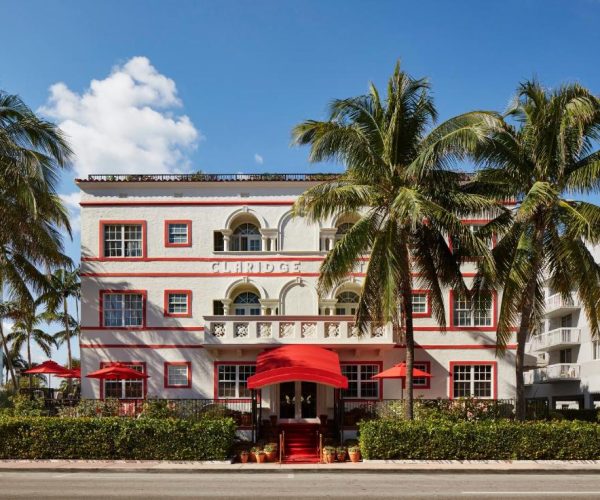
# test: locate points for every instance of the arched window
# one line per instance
(246, 304)
(347, 302)
(246, 238)
(342, 229)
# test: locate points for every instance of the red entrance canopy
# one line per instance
(117, 371)
(399, 371)
(48, 368)
(292, 363)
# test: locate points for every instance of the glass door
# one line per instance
(287, 401)
(308, 400)
(297, 401)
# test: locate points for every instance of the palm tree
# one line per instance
(15, 361)
(65, 335)
(61, 286)
(33, 152)
(26, 330)
(542, 152)
(396, 178)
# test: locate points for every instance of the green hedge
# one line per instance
(501, 440)
(115, 438)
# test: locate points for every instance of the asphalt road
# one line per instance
(41, 485)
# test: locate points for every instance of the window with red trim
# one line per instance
(475, 311)
(178, 374)
(422, 382)
(122, 239)
(421, 303)
(124, 389)
(232, 380)
(360, 380)
(473, 379)
(122, 309)
(178, 233)
(178, 303)
(475, 228)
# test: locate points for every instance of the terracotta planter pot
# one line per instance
(260, 457)
(330, 458)
(271, 456)
(341, 456)
(244, 457)
(354, 457)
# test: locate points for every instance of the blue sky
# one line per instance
(217, 86)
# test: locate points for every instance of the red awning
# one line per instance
(292, 363)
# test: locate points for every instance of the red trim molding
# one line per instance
(143, 293)
(458, 347)
(493, 364)
(103, 223)
(140, 346)
(188, 294)
(188, 243)
(275, 203)
(188, 364)
(426, 314)
(146, 329)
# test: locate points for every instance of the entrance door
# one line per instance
(297, 401)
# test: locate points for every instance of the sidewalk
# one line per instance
(369, 466)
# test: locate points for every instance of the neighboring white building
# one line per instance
(568, 375)
(190, 278)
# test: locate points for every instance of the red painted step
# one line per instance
(301, 443)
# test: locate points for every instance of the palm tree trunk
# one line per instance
(29, 362)
(68, 334)
(525, 324)
(9, 364)
(410, 342)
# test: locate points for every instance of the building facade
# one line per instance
(189, 279)
(568, 373)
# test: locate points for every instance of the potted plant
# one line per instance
(244, 455)
(261, 457)
(254, 452)
(329, 452)
(341, 454)
(271, 452)
(273, 419)
(354, 453)
(323, 419)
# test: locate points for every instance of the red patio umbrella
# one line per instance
(48, 368)
(74, 373)
(117, 371)
(399, 371)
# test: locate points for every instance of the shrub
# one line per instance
(587, 415)
(479, 440)
(22, 405)
(115, 438)
(91, 408)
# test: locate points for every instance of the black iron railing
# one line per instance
(201, 177)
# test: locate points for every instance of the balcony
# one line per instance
(557, 305)
(239, 331)
(561, 372)
(556, 339)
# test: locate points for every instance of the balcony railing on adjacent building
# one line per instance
(557, 305)
(560, 372)
(244, 330)
(557, 339)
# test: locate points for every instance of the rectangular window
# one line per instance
(218, 308)
(232, 381)
(178, 303)
(476, 312)
(125, 389)
(596, 349)
(360, 383)
(123, 240)
(178, 374)
(122, 309)
(422, 382)
(420, 303)
(566, 355)
(474, 229)
(473, 381)
(218, 241)
(178, 233)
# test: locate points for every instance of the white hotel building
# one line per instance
(190, 278)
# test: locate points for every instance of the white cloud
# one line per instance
(125, 123)
(71, 201)
(258, 159)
